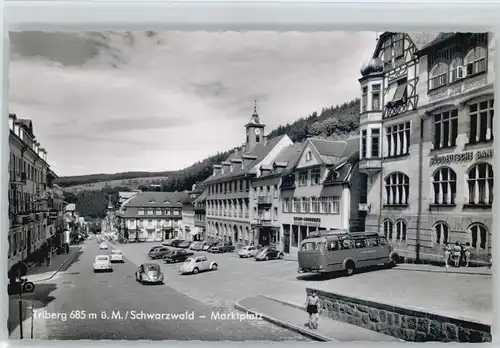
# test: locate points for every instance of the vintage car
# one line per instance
(177, 256)
(185, 244)
(247, 251)
(197, 264)
(102, 263)
(149, 273)
(208, 245)
(103, 246)
(176, 242)
(196, 246)
(116, 256)
(158, 253)
(268, 253)
(222, 248)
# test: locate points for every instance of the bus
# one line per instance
(332, 251)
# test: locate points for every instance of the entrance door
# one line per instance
(286, 242)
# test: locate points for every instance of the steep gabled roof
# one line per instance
(259, 152)
(419, 39)
(158, 200)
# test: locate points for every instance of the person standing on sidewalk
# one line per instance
(312, 307)
(447, 253)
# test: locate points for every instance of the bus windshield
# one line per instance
(309, 246)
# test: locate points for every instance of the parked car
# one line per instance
(158, 253)
(102, 263)
(197, 264)
(184, 245)
(247, 251)
(168, 242)
(195, 246)
(176, 242)
(116, 256)
(222, 248)
(208, 245)
(149, 273)
(103, 246)
(268, 253)
(177, 256)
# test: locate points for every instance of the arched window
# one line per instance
(397, 189)
(457, 71)
(475, 60)
(388, 229)
(478, 233)
(401, 229)
(480, 184)
(445, 186)
(441, 230)
(438, 75)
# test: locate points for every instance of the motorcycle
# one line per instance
(20, 286)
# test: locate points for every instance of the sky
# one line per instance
(112, 102)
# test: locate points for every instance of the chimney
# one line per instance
(226, 167)
(12, 120)
(217, 169)
(247, 159)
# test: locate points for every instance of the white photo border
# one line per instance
(476, 16)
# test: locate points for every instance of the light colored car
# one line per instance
(149, 273)
(103, 246)
(198, 264)
(102, 263)
(116, 256)
(247, 251)
(195, 246)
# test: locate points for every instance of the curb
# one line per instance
(68, 260)
(302, 308)
(403, 268)
(304, 332)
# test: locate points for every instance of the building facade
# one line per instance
(265, 198)
(28, 196)
(228, 203)
(428, 155)
(200, 222)
(152, 216)
(322, 191)
(188, 225)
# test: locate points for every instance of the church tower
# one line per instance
(255, 130)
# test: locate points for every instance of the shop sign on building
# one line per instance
(53, 214)
(306, 221)
(467, 156)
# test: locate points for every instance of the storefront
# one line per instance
(298, 229)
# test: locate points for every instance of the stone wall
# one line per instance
(406, 324)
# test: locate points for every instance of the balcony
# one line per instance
(370, 165)
(364, 207)
(263, 221)
(264, 200)
(17, 179)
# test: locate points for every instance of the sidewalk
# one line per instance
(295, 318)
(58, 263)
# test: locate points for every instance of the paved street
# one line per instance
(461, 295)
(79, 289)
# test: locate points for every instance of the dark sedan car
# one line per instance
(158, 253)
(222, 248)
(149, 273)
(177, 256)
(268, 253)
(175, 243)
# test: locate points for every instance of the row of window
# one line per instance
(321, 205)
(142, 223)
(18, 241)
(265, 214)
(479, 183)
(306, 177)
(241, 185)
(18, 166)
(397, 137)
(477, 233)
(22, 202)
(270, 191)
(159, 212)
(474, 62)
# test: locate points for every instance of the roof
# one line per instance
(158, 200)
(259, 152)
(288, 157)
(419, 39)
(333, 152)
(201, 197)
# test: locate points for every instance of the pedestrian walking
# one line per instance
(447, 253)
(467, 254)
(312, 307)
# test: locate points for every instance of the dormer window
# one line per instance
(166, 202)
(150, 212)
(158, 212)
(141, 212)
(308, 155)
(176, 212)
(152, 201)
(167, 212)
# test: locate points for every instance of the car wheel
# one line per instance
(214, 267)
(281, 256)
(267, 258)
(195, 270)
(350, 267)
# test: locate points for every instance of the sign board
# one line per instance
(53, 214)
(66, 236)
(306, 221)
(462, 157)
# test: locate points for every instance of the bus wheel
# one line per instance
(350, 267)
(394, 260)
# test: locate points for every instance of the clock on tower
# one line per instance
(255, 130)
